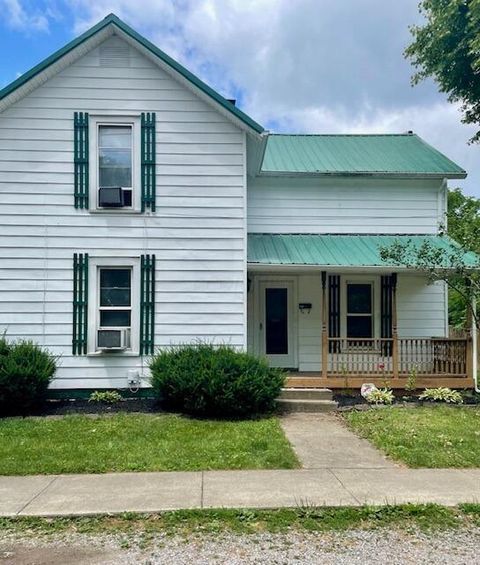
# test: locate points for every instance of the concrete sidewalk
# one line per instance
(340, 469)
(77, 495)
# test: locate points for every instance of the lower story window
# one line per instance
(359, 310)
(114, 308)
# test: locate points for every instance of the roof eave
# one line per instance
(344, 174)
(395, 268)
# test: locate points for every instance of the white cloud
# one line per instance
(303, 66)
(24, 18)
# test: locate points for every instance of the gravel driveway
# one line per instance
(352, 547)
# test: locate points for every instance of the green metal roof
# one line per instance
(337, 250)
(390, 154)
(113, 19)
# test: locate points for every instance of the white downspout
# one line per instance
(474, 347)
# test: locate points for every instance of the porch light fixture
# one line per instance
(305, 307)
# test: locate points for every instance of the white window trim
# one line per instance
(375, 282)
(95, 263)
(120, 120)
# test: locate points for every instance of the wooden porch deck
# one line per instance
(315, 380)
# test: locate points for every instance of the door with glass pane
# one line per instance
(276, 323)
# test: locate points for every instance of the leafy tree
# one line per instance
(447, 48)
(464, 226)
(454, 264)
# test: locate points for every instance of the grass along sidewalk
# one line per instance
(433, 437)
(140, 442)
(424, 517)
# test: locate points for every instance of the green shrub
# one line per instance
(214, 381)
(442, 394)
(26, 370)
(380, 396)
(105, 396)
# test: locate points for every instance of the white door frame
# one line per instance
(261, 283)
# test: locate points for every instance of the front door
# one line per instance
(276, 323)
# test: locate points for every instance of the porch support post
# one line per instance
(394, 327)
(471, 340)
(324, 327)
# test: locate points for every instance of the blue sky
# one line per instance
(302, 66)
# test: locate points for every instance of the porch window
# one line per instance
(359, 310)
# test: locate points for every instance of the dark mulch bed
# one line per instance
(64, 407)
(349, 399)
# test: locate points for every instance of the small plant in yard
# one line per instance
(385, 381)
(207, 380)
(26, 370)
(380, 396)
(105, 396)
(442, 394)
(411, 385)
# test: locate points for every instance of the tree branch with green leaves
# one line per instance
(453, 264)
(446, 47)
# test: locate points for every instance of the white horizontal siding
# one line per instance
(422, 310)
(197, 233)
(301, 205)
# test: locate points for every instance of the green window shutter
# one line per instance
(387, 288)
(386, 295)
(334, 311)
(80, 158)
(80, 303)
(147, 304)
(148, 160)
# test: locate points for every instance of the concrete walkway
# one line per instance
(340, 470)
(323, 441)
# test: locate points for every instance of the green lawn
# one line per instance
(133, 442)
(434, 437)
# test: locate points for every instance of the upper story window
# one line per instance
(115, 159)
(115, 164)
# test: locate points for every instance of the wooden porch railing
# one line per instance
(397, 357)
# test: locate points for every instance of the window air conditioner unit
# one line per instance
(111, 197)
(116, 340)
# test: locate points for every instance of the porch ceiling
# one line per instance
(338, 250)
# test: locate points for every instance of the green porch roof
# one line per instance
(387, 154)
(337, 250)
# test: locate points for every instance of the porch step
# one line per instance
(293, 405)
(306, 394)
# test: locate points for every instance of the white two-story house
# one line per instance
(140, 209)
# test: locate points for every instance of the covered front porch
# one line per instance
(341, 325)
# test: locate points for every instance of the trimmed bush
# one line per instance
(26, 370)
(206, 380)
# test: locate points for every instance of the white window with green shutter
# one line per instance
(115, 162)
(114, 305)
(115, 159)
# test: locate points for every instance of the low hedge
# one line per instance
(26, 370)
(208, 380)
